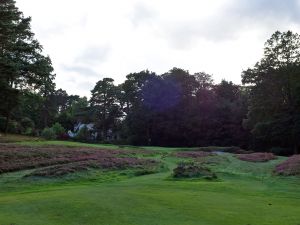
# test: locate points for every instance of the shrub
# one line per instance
(193, 170)
(48, 133)
(58, 129)
(28, 131)
(289, 167)
(257, 157)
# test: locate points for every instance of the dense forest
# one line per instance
(175, 108)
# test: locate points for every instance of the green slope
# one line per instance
(245, 194)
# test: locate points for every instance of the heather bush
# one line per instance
(58, 170)
(14, 158)
(193, 170)
(289, 167)
(257, 157)
(231, 149)
(143, 166)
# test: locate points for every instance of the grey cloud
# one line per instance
(142, 13)
(183, 35)
(234, 19)
(94, 55)
(277, 9)
(81, 70)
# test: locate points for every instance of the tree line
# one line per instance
(175, 108)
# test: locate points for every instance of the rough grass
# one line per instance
(152, 199)
(247, 193)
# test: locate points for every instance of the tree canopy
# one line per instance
(273, 115)
(22, 64)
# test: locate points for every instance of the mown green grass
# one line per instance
(245, 194)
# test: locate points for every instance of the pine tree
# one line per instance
(22, 65)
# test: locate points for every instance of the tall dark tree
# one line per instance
(137, 123)
(131, 89)
(22, 65)
(31, 106)
(274, 109)
(105, 104)
(230, 110)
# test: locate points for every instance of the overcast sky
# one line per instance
(92, 39)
